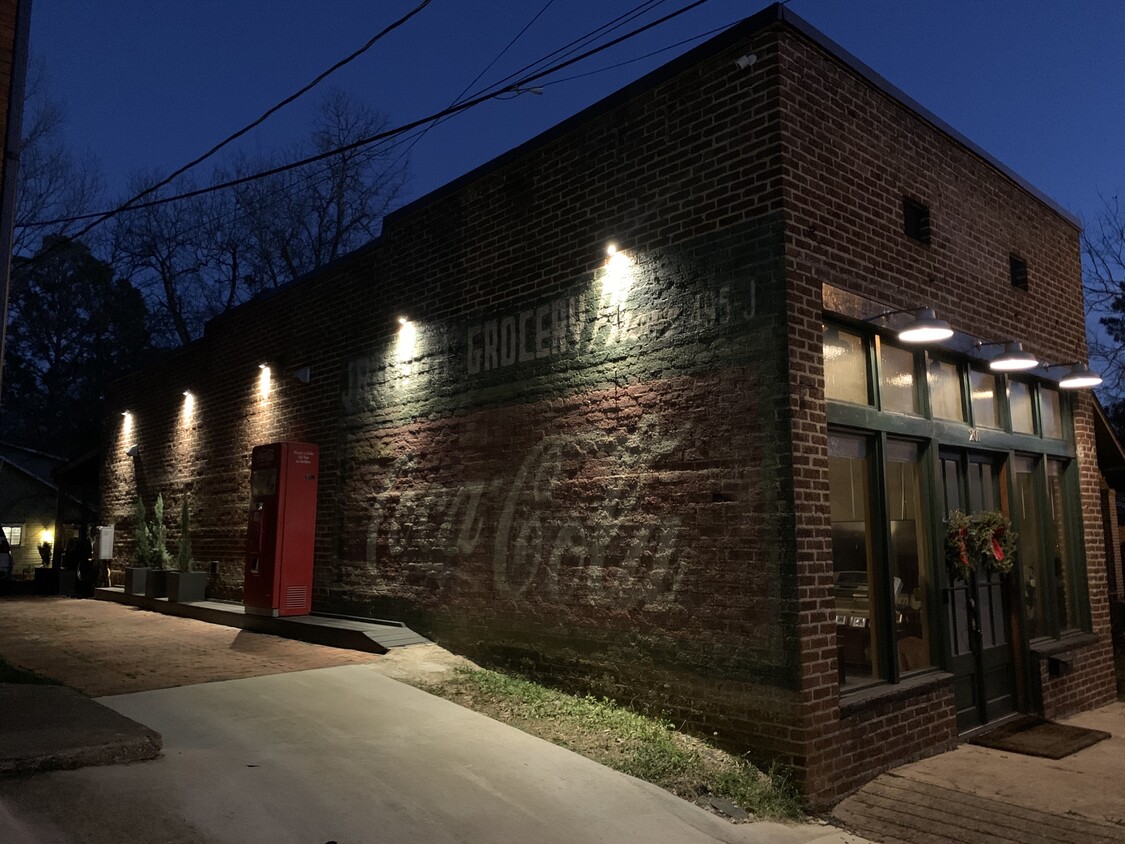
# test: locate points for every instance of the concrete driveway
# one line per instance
(290, 751)
(348, 755)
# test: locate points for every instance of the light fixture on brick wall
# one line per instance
(264, 376)
(1080, 376)
(1012, 359)
(925, 327)
(404, 343)
(617, 276)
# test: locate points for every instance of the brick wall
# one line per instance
(851, 154)
(618, 477)
(554, 472)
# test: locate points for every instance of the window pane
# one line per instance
(986, 399)
(845, 367)
(896, 382)
(909, 566)
(1019, 400)
(1028, 549)
(853, 559)
(945, 391)
(14, 534)
(1064, 586)
(1050, 413)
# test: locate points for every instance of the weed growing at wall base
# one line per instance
(612, 735)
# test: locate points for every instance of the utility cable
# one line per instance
(465, 90)
(130, 203)
(514, 88)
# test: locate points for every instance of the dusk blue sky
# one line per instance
(149, 84)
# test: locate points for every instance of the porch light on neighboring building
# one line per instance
(47, 535)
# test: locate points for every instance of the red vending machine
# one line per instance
(279, 535)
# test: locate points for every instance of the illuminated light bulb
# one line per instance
(264, 381)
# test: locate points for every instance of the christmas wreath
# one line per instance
(982, 539)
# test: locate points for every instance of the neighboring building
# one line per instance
(28, 503)
(694, 475)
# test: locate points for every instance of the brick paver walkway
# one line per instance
(103, 648)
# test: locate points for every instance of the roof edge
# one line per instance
(774, 13)
(880, 82)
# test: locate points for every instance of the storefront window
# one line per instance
(845, 366)
(1050, 413)
(945, 391)
(986, 399)
(909, 566)
(896, 379)
(1058, 547)
(853, 559)
(1028, 549)
(1019, 400)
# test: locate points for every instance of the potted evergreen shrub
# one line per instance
(137, 573)
(156, 581)
(185, 585)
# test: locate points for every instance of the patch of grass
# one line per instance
(646, 748)
(11, 674)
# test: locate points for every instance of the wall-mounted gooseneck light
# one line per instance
(1012, 359)
(1080, 376)
(264, 379)
(925, 327)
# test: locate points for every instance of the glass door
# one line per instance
(978, 612)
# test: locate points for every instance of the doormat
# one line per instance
(1035, 736)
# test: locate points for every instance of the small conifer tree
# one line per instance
(141, 546)
(158, 536)
(183, 558)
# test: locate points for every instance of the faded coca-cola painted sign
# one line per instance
(539, 532)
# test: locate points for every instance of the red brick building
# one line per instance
(695, 474)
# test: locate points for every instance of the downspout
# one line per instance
(11, 162)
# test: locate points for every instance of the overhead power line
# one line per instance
(513, 88)
(129, 203)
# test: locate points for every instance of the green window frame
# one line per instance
(989, 427)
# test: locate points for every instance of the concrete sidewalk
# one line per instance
(347, 754)
(46, 728)
(267, 739)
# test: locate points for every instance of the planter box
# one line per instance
(55, 581)
(156, 583)
(135, 577)
(186, 587)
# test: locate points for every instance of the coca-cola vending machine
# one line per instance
(280, 530)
